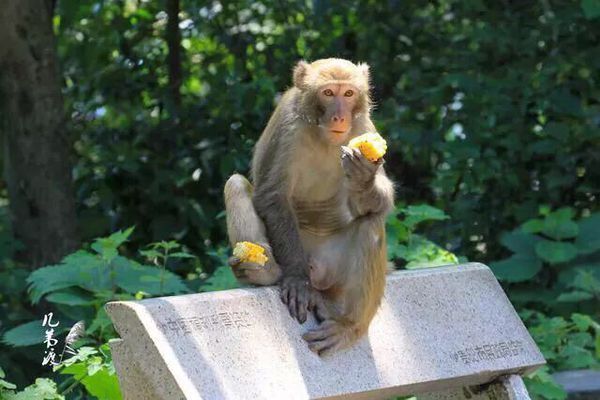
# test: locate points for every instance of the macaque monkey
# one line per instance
(318, 211)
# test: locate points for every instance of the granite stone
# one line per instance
(437, 329)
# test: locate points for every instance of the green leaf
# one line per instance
(102, 383)
(101, 323)
(586, 280)
(71, 298)
(221, 279)
(574, 297)
(151, 254)
(520, 242)
(423, 253)
(555, 252)
(588, 240)
(181, 254)
(591, 8)
(29, 334)
(94, 365)
(559, 224)
(81, 269)
(83, 354)
(571, 276)
(517, 268)
(533, 226)
(577, 357)
(584, 322)
(133, 277)
(420, 213)
(42, 389)
(543, 385)
(4, 384)
(108, 247)
(164, 245)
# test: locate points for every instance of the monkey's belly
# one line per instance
(322, 218)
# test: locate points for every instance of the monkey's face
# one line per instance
(337, 103)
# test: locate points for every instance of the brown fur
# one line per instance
(313, 206)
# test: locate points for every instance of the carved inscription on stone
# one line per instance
(488, 352)
(210, 322)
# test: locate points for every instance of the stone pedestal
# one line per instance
(437, 329)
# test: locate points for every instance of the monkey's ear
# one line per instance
(364, 70)
(300, 72)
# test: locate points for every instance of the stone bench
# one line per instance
(442, 333)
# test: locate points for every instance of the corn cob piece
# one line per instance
(370, 144)
(250, 252)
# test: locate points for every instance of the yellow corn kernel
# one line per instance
(370, 144)
(250, 252)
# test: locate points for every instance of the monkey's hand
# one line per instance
(359, 171)
(330, 337)
(296, 293)
(254, 273)
(238, 265)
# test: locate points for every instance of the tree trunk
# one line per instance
(36, 150)
(173, 38)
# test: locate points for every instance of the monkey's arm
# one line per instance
(271, 201)
(276, 212)
(369, 189)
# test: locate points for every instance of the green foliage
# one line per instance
(4, 385)
(222, 278)
(103, 271)
(42, 389)
(489, 108)
(85, 280)
(160, 253)
(94, 369)
(27, 334)
(561, 253)
(566, 343)
(412, 250)
(541, 386)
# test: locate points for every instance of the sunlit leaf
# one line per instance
(555, 252)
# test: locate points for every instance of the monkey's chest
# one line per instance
(324, 217)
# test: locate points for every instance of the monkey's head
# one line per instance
(333, 93)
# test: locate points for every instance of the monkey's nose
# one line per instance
(338, 119)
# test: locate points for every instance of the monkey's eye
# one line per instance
(349, 93)
(328, 92)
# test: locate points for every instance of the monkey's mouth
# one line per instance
(338, 132)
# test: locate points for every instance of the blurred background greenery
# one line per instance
(491, 110)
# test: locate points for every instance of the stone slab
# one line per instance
(578, 381)
(509, 387)
(437, 328)
(130, 374)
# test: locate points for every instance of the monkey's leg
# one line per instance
(364, 268)
(243, 224)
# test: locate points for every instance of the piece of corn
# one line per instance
(370, 144)
(250, 252)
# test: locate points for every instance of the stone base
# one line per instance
(437, 328)
(509, 387)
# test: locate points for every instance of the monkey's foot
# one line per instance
(329, 337)
(253, 273)
(320, 307)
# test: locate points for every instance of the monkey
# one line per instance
(317, 207)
